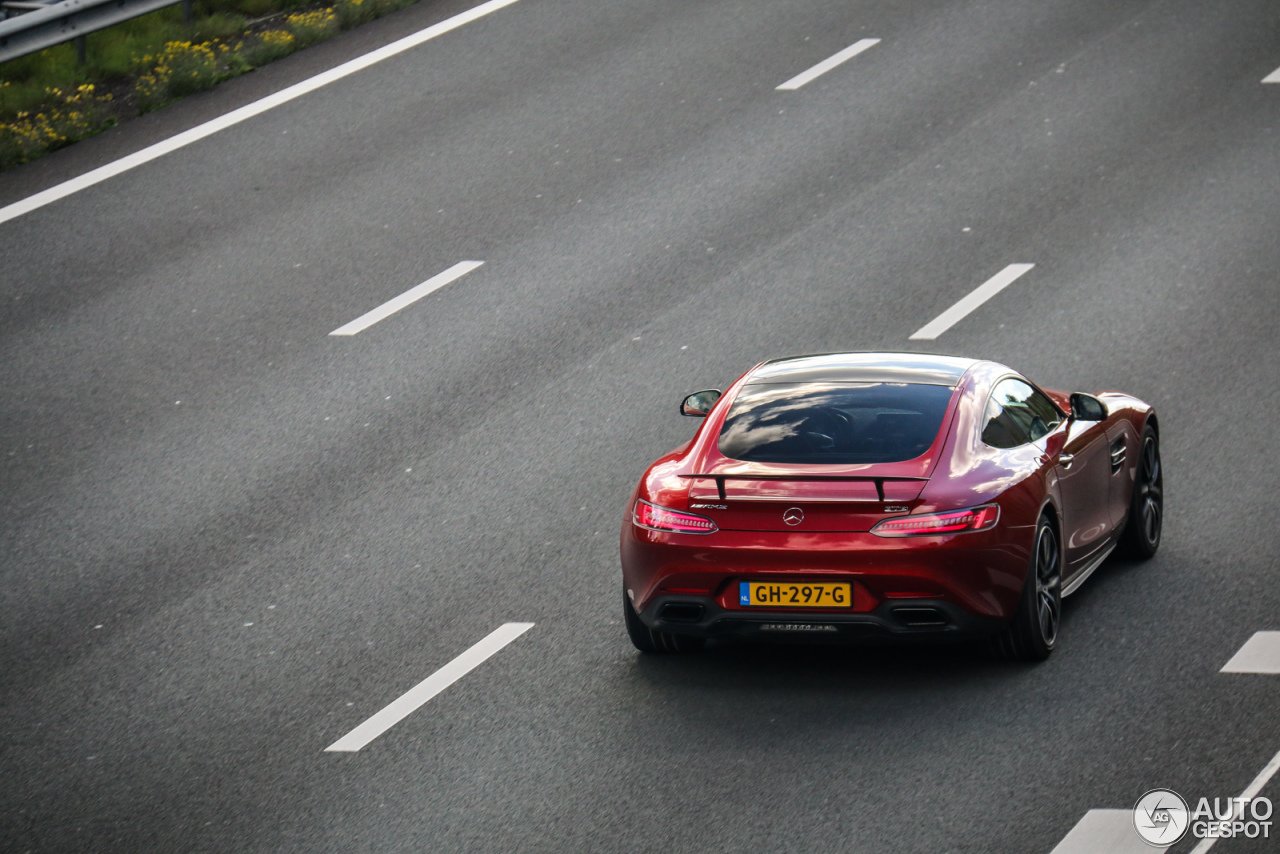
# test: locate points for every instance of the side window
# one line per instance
(1046, 414)
(1017, 414)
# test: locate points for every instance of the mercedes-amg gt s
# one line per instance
(895, 496)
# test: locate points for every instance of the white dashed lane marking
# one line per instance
(1273, 77)
(407, 298)
(827, 64)
(413, 699)
(964, 307)
(1105, 832)
(1260, 654)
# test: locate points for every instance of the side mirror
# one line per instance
(1086, 407)
(698, 404)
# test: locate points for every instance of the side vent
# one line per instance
(1118, 454)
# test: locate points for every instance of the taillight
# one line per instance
(951, 522)
(648, 515)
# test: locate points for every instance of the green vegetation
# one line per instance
(47, 100)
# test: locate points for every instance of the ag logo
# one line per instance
(793, 515)
(1160, 817)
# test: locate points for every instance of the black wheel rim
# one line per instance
(1151, 492)
(1048, 581)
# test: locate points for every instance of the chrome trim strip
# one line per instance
(1082, 576)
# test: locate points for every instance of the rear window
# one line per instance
(833, 423)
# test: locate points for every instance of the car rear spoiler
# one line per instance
(879, 481)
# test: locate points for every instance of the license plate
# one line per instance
(769, 594)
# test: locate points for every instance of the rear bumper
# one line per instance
(916, 620)
(970, 580)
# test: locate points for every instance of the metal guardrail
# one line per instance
(38, 25)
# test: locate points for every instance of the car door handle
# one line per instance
(1065, 460)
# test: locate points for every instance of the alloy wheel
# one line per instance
(1048, 582)
(1151, 491)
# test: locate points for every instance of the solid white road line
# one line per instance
(1105, 832)
(212, 126)
(412, 700)
(960, 310)
(409, 297)
(1273, 77)
(1260, 654)
(827, 64)
(1248, 794)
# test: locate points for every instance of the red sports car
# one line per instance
(887, 496)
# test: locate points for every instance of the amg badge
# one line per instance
(797, 627)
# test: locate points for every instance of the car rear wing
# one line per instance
(878, 480)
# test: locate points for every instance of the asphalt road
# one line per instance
(228, 537)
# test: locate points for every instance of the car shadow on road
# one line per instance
(854, 668)
(871, 705)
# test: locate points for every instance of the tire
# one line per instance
(1141, 537)
(655, 641)
(1034, 630)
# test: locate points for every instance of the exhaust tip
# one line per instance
(920, 618)
(681, 612)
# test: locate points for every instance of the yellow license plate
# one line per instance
(769, 594)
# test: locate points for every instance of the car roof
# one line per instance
(863, 368)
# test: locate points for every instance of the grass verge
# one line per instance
(48, 101)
